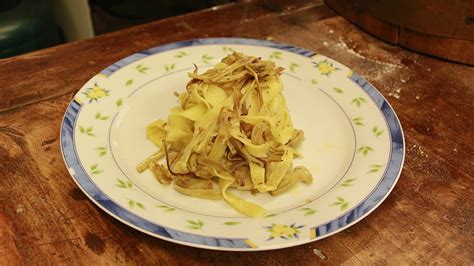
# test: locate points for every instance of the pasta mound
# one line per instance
(231, 129)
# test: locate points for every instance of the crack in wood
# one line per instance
(11, 132)
(48, 141)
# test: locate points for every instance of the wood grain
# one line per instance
(430, 27)
(428, 218)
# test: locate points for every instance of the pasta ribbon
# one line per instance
(231, 130)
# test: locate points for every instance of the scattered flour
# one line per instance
(394, 95)
(374, 73)
(379, 72)
(417, 149)
(20, 208)
(341, 44)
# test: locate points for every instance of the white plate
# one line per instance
(354, 147)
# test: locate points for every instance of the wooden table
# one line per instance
(428, 218)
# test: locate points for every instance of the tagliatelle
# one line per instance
(241, 205)
(231, 129)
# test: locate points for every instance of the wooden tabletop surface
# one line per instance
(428, 217)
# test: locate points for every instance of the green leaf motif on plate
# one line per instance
(341, 203)
(325, 67)
(168, 68)
(102, 151)
(99, 116)
(313, 81)
(129, 83)
(374, 168)
(275, 55)
(359, 101)
(207, 58)
(338, 90)
(166, 208)
(132, 204)
(365, 150)
(358, 121)
(308, 211)
(377, 132)
(89, 131)
(348, 182)
(293, 67)
(198, 224)
(227, 50)
(95, 93)
(231, 223)
(119, 102)
(95, 169)
(142, 69)
(181, 54)
(270, 215)
(124, 184)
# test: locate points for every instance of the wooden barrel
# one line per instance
(440, 28)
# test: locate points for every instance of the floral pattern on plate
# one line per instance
(365, 133)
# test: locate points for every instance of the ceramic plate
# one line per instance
(354, 147)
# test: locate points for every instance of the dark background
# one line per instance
(28, 25)
(110, 15)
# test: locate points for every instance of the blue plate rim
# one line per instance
(349, 218)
